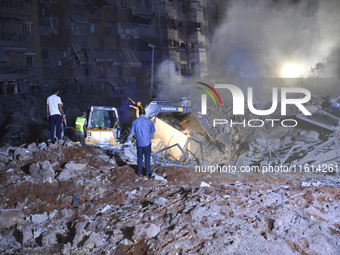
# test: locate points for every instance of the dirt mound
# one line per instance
(95, 206)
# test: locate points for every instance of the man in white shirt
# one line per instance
(54, 110)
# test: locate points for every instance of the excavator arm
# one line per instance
(176, 105)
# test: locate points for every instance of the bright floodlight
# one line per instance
(291, 70)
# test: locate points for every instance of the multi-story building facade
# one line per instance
(112, 45)
(184, 30)
(20, 60)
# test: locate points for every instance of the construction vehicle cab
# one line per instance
(103, 126)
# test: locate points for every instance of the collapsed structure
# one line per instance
(313, 142)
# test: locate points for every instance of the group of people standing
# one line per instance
(142, 128)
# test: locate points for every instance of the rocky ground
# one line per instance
(63, 198)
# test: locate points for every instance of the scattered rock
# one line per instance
(204, 184)
(39, 218)
(10, 217)
(104, 210)
(42, 170)
(146, 231)
(161, 201)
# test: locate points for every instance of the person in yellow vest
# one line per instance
(80, 130)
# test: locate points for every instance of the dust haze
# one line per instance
(257, 38)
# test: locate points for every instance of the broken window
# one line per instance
(79, 54)
(172, 24)
(196, 25)
(44, 57)
(130, 56)
(28, 28)
(44, 54)
(163, 22)
(78, 2)
(54, 25)
(122, 3)
(93, 29)
(12, 30)
(140, 19)
(48, 25)
(79, 25)
(9, 87)
(29, 61)
(18, 4)
(110, 30)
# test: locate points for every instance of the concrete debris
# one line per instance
(204, 184)
(161, 201)
(42, 170)
(10, 217)
(97, 204)
(146, 231)
(75, 166)
(321, 183)
(159, 178)
(21, 154)
(39, 218)
(274, 145)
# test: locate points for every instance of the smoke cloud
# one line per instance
(257, 38)
(172, 84)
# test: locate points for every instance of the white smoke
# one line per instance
(257, 37)
(167, 73)
(172, 84)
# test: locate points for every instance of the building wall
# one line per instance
(19, 47)
(105, 43)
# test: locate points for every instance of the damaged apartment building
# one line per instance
(113, 45)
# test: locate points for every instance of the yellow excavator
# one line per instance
(103, 126)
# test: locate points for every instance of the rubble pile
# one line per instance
(275, 144)
(95, 204)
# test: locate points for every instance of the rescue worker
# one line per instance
(80, 130)
(137, 106)
(54, 112)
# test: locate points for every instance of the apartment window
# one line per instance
(30, 61)
(54, 24)
(196, 25)
(110, 30)
(28, 29)
(44, 54)
(78, 2)
(121, 3)
(18, 4)
(92, 28)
